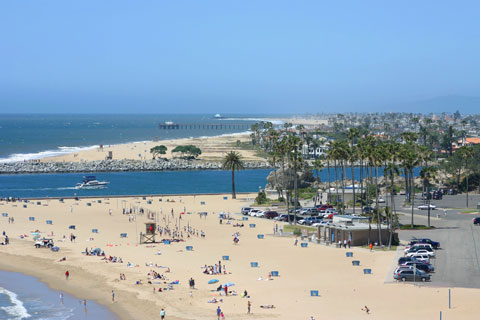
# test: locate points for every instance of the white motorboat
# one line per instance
(91, 182)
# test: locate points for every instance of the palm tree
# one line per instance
(293, 144)
(352, 135)
(428, 174)
(233, 161)
(467, 153)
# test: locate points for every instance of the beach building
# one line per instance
(359, 233)
(332, 195)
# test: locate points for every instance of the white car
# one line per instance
(425, 207)
(381, 200)
(421, 252)
(419, 245)
(257, 213)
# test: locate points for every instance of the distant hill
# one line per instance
(449, 104)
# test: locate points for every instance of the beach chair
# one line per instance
(225, 198)
(4, 214)
(166, 241)
(123, 235)
(99, 201)
(254, 264)
(189, 248)
(39, 203)
(72, 227)
(89, 204)
(31, 218)
(314, 293)
(252, 225)
(349, 254)
(202, 203)
(225, 257)
(24, 205)
(260, 236)
(94, 230)
(367, 271)
(355, 263)
(274, 273)
(49, 222)
(244, 218)
(304, 244)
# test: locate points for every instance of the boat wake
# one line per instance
(17, 311)
(37, 189)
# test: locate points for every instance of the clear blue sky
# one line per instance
(235, 56)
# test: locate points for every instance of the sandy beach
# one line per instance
(213, 148)
(343, 289)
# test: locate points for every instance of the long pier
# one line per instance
(211, 126)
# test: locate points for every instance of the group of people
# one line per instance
(11, 220)
(113, 259)
(345, 243)
(215, 269)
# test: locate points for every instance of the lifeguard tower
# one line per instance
(149, 235)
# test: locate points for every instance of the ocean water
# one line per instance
(132, 183)
(24, 297)
(35, 136)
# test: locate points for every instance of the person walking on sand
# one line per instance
(367, 311)
(296, 242)
(219, 312)
(371, 246)
(249, 306)
(67, 274)
(113, 296)
(162, 314)
(222, 316)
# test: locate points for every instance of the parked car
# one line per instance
(381, 200)
(257, 213)
(420, 265)
(425, 207)
(419, 256)
(402, 260)
(331, 210)
(415, 252)
(434, 244)
(417, 246)
(451, 192)
(321, 223)
(437, 195)
(476, 221)
(309, 211)
(426, 196)
(271, 214)
(322, 207)
(411, 275)
(286, 217)
(330, 216)
(246, 210)
(307, 221)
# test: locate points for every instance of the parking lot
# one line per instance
(457, 263)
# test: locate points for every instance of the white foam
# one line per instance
(17, 311)
(17, 157)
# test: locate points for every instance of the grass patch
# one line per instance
(469, 211)
(415, 227)
(297, 229)
(378, 248)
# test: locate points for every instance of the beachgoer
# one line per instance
(371, 246)
(162, 314)
(226, 290)
(296, 242)
(113, 296)
(367, 311)
(61, 298)
(222, 316)
(249, 306)
(67, 274)
(345, 243)
(219, 311)
(349, 242)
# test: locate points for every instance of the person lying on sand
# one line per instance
(63, 259)
(267, 306)
(367, 311)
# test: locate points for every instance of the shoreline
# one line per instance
(45, 269)
(61, 150)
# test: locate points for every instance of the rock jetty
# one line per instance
(119, 165)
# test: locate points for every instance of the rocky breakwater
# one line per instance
(118, 165)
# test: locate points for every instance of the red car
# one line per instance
(322, 207)
(330, 216)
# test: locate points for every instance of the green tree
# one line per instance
(158, 150)
(466, 153)
(428, 174)
(233, 161)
